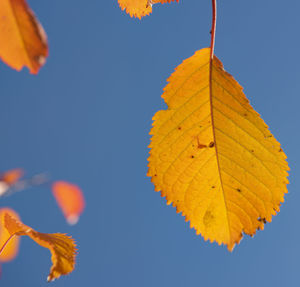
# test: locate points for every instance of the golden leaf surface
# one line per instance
(11, 249)
(61, 246)
(212, 156)
(23, 40)
(140, 8)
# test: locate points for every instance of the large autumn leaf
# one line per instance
(140, 8)
(212, 156)
(61, 246)
(23, 41)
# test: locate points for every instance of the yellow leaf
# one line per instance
(140, 8)
(12, 246)
(23, 40)
(61, 246)
(212, 156)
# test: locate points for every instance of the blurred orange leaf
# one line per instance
(23, 40)
(12, 176)
(61, 246)
(140, 8)
(70, 199)
(212, 156)
(12, 247)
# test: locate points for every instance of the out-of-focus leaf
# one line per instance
(61, 246)
(12, 247)
(12, 176)
(23, 41)
(70, 199)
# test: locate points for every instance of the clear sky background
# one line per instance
(86, 118)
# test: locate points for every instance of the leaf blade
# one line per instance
(70, 199)
(62, 247)
(198, 155)
(140, 8)
(23, 39)
(12, 248)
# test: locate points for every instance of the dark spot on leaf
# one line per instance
(179, 128)
(262, 220)
(201, 145)
(213, 186)
(280, 150)
(212, 144)
(245, 115)
(208, 218)
(252, 150)
(192, 156)
(238, 190)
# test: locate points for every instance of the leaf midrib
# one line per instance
(211, 66)
(19, 32)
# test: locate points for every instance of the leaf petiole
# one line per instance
(213, 28)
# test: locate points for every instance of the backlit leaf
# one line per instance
(12, 176)
(9, 178)
(212, 156)
(61, 246)
(23, 40)
(70, 199)
(11, 249)
(140, 8)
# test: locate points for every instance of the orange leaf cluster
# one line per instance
(23, 40)
(212, 156)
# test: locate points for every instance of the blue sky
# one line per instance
(86, 116)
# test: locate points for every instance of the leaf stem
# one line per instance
(213, 28)
(6, 242)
